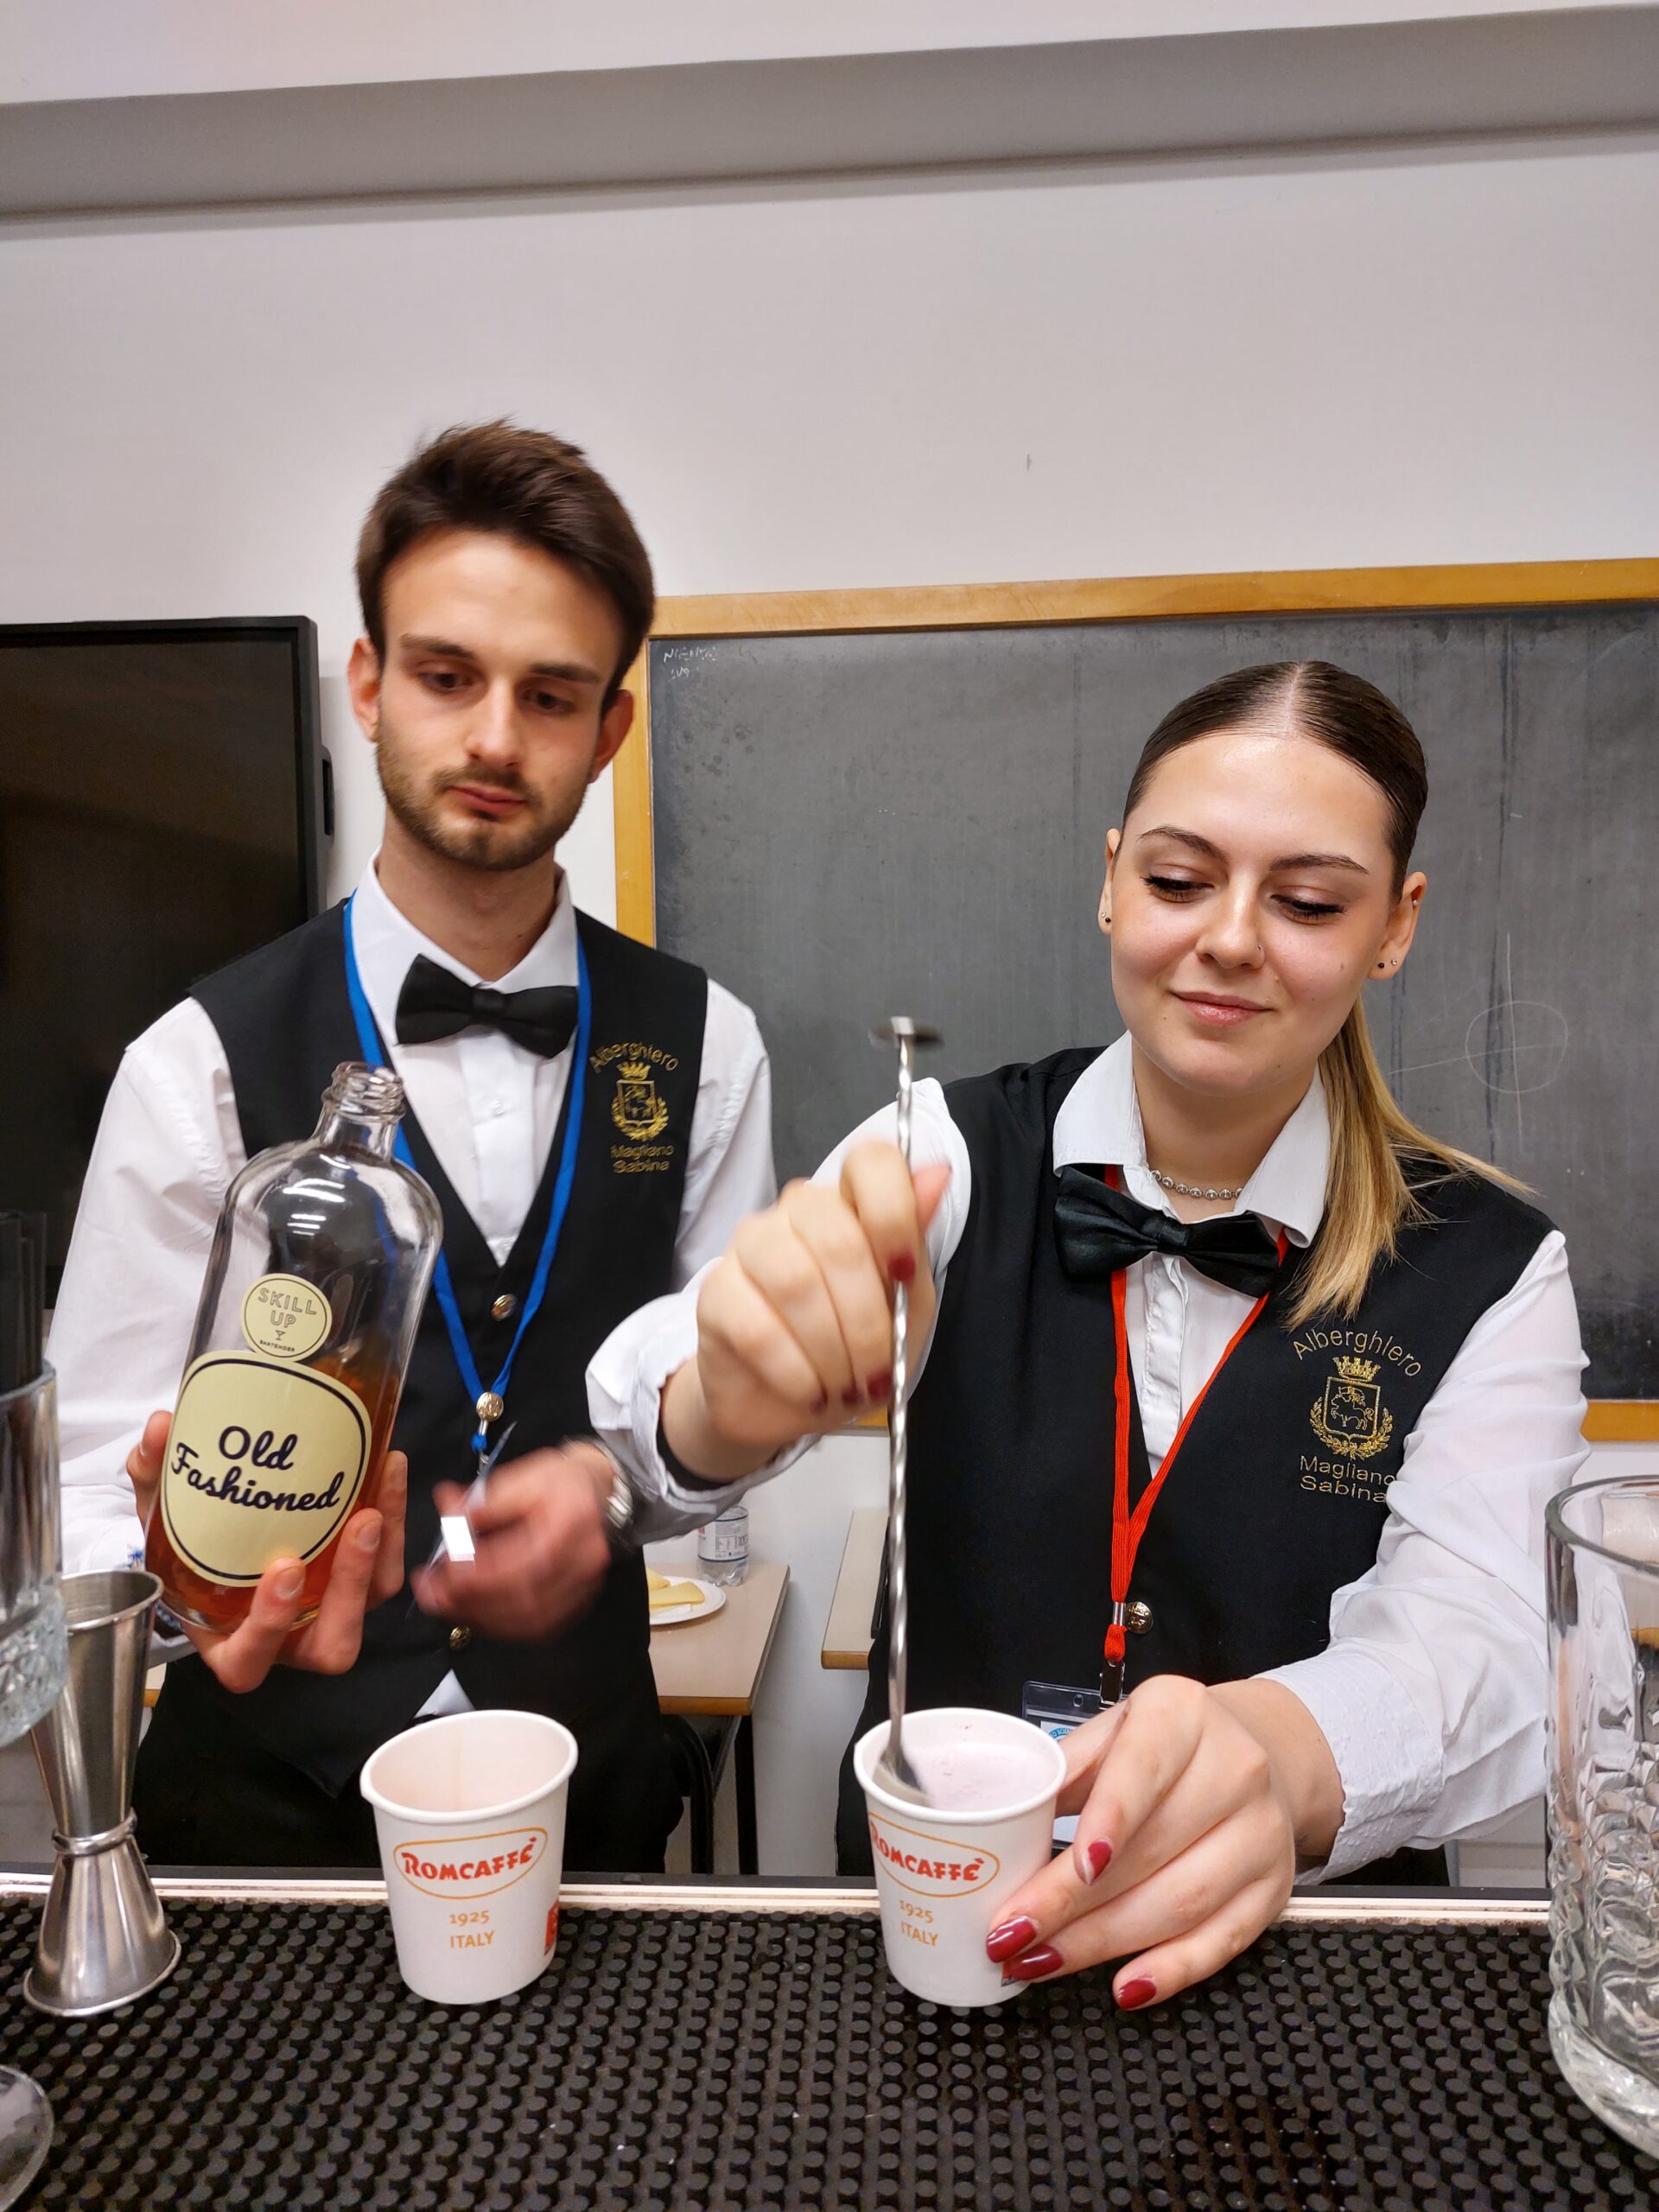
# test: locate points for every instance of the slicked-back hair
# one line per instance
(1377, 1154)
(1316, 699)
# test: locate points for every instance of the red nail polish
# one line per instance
(879, 1387)
(821, 1402)
(850, 1395)
(902, 1266)
(1034, 1965)
(1138, 1992)
(1012, 1935)
(1099, 1856)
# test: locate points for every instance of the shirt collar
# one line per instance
(388, 943)
(1099, 1125)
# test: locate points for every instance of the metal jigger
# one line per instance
(104, 1937)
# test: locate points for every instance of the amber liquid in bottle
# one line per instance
(319, 1270)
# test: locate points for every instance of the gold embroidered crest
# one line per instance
(638, 1108)
(1351, 1418)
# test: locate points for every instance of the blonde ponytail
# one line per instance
(1368, 1197)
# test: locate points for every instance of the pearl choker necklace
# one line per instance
(1191, 1191)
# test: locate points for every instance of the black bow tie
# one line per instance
(1100, 1230)
(437, 1002)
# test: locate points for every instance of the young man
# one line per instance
(505, 595)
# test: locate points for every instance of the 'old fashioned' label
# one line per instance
(264, 1461)
(284, 1316)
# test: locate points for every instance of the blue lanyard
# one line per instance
(375, 1053)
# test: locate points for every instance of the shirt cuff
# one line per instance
(665, 1506)
(101, 1547)
(1389, 1759)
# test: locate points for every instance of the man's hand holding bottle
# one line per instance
(368, 1569)
(543, 1551)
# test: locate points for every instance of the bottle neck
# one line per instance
(361, 1110)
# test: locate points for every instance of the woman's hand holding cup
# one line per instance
(795, 1325)
(1193, 1805)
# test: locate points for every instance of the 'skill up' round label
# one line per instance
(285, 1316)
(264, 1461)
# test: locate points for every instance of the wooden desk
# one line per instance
(847, 1632)
(712, 1669)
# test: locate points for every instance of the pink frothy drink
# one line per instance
(975, 1778)
(944, 1871)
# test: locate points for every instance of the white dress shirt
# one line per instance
(1431, 1691)
(169, 1143)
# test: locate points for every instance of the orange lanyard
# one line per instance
(1128, 1528)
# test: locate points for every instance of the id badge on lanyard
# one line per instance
(1057, 1709)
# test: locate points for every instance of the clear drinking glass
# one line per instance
(1604, 1799)
(34, 1661)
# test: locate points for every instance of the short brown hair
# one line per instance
(522, 484)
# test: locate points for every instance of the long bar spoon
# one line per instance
(894, 1770)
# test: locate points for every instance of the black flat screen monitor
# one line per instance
(161, 811)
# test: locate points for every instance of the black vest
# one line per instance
(1280, 1494)
(284, 1019)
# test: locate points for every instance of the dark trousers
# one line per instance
(209, 1793)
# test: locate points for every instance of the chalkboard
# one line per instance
(851, 825)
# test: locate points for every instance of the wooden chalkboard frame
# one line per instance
(973, 606)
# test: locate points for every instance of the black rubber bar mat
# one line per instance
(686, 2061)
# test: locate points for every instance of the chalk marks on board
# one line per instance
(1511, 1046)
(1531, 1053)
(1513, 1030)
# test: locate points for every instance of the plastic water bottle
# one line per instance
(723, 1547)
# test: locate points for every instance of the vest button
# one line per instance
(459, 1638)
(505, 1306)
(1138, 1618)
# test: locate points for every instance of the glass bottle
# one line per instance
(315, 1285)
(723, 1547)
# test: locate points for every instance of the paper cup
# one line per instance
(470, 1814)
(942, 1876)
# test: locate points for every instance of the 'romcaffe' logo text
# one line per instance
(932, 1866)
(466, 1867)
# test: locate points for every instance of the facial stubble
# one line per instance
(494, 848)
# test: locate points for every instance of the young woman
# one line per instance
(1241, 1396)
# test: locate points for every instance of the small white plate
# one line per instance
(672, 1616)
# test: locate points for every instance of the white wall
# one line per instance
(90, 50)
(1356, 360)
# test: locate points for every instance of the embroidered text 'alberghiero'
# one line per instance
(1361, 1340)
(653, 1054)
